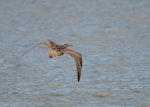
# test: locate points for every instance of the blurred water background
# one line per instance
(112, 35)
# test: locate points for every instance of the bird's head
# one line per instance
(46, 42)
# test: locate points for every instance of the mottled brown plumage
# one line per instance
(58, 50)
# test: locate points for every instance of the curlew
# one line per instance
(58, 50)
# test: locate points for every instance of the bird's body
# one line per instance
(58, 50)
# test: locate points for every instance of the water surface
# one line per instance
(113, 37)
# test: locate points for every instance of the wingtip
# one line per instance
(78, 80)
(78, 76)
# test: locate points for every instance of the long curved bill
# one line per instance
(31, 49)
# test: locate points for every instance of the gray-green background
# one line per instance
(112, 35)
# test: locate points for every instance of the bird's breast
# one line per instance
(54, 53)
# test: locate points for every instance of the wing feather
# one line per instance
(78, 58)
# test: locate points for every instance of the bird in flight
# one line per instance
(58, 50)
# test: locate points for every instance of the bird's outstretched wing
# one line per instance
(78, 58)
(49, 43)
